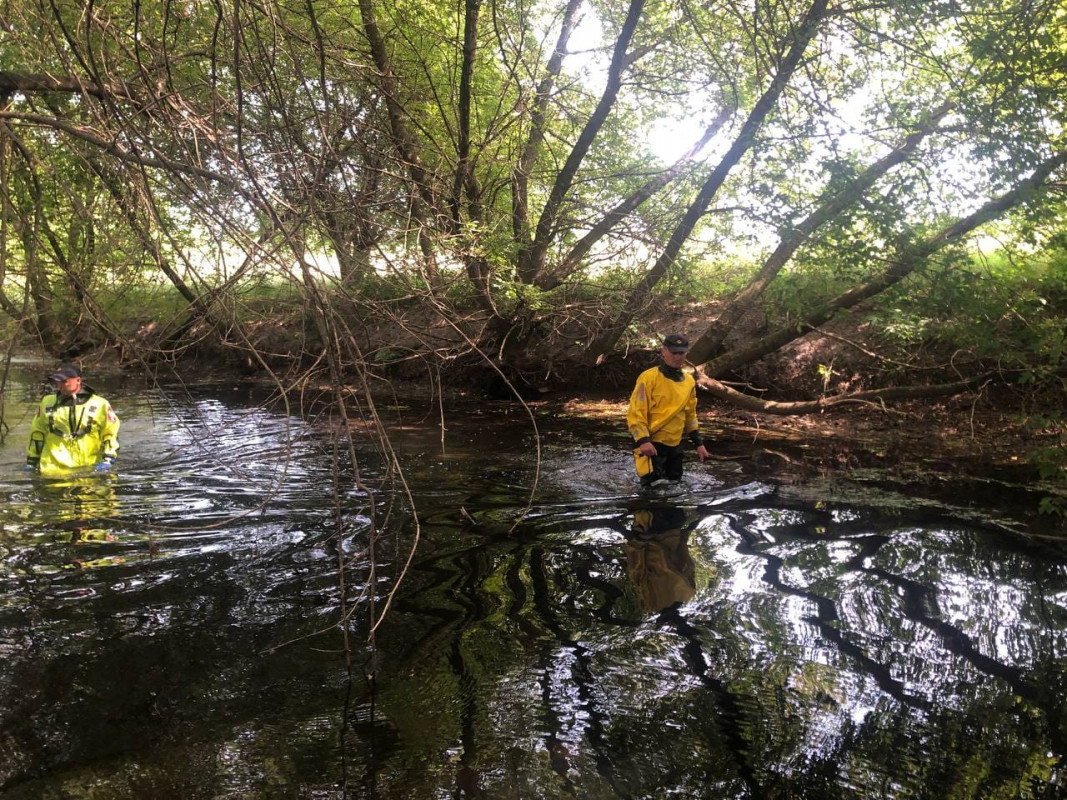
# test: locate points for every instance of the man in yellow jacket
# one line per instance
(74, 428)
(663, 410)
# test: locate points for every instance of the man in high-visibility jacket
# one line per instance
(663, 409)
(74, 428)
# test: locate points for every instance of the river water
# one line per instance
(174, 631)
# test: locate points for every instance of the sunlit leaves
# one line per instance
(249, 116)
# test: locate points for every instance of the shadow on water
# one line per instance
(171, 632)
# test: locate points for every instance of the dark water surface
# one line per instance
(172, 632)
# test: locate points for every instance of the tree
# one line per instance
(480, 142)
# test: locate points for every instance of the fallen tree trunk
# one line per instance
(746, 401)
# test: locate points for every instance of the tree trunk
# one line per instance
(803, 35)
(710, 343)
(520, 176)
(914, 257)
(531, 260)
(581, 249)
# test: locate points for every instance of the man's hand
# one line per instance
(703, 453)
(103, 466)
(649, 449)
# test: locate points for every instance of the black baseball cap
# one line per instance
(66, 372)
(676, 343)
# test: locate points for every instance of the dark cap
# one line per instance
(66, 372)
(676, 343)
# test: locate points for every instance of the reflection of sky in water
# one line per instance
(993, 607)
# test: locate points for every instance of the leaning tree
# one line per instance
(499, 158)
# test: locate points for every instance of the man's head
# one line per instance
(674, 348)
(68, 379)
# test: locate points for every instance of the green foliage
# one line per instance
(142, 304)
(1011, 307)
(387, 355)
(270, 134)
(1050, 459)
(795, 292)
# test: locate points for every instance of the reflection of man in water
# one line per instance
(74, 428)
(663, 409)
(658, 559)
(79, 507)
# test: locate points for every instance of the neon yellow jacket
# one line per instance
(662, 409)
(72, 432)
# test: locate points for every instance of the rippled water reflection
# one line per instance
(171, 632)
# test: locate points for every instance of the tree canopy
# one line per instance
(541, 175)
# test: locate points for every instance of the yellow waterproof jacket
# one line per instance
(662, 409)
(72, 432)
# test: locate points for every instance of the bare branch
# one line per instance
(26, 83)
